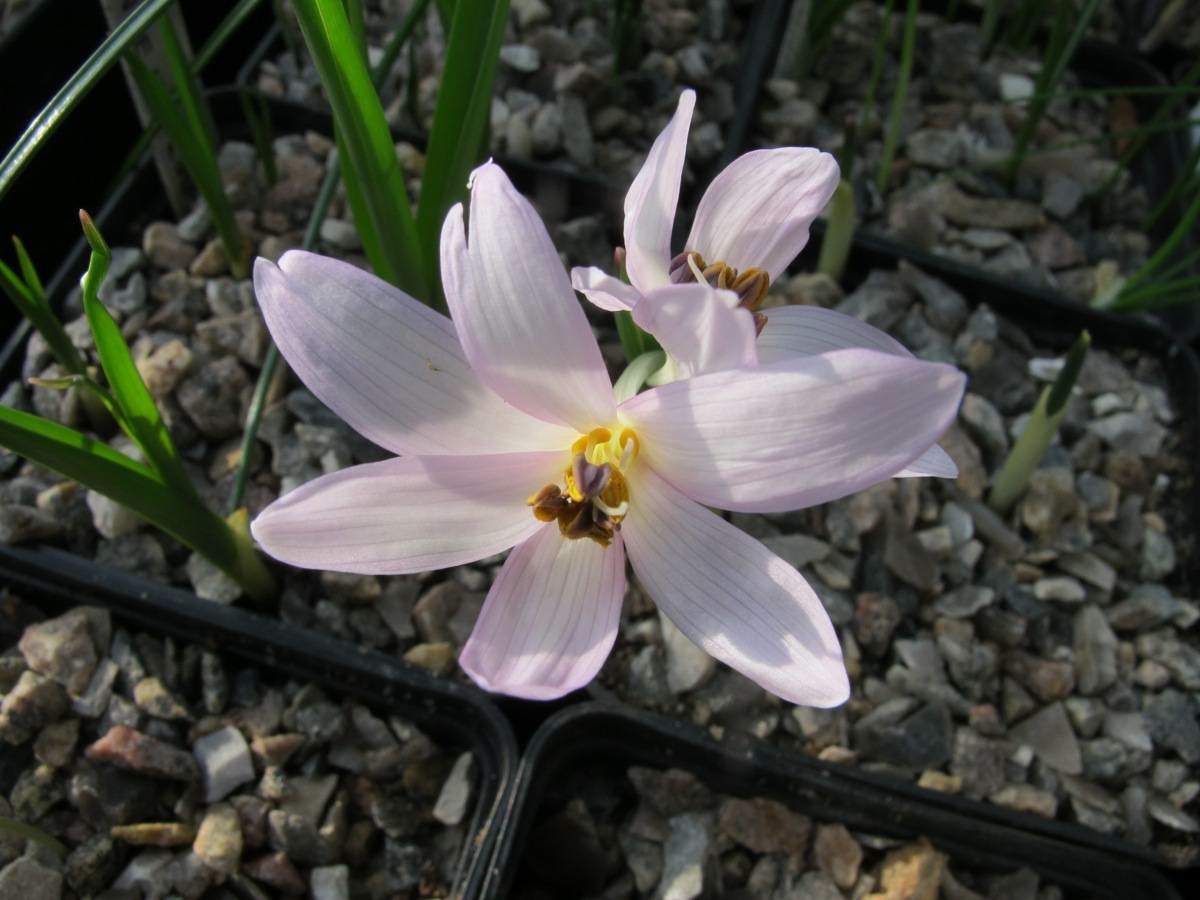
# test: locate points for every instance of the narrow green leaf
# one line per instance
(1058, 56)
(28, 271)
(464, 105)
(839, 235)
(1060, 391)
(188, 91)
(1030, 447)
(31, 301)
(97, 466)
(198, 156)
(891, 137)
(77, 87)
(384, 217)
(138, 414)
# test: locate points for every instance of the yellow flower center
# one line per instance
(595, 493)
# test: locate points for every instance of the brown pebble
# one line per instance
(155, 834)
(128, 749)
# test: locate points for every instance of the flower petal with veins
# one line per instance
(550, 619)
(733, 597)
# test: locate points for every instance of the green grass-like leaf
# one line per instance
(1058, 55)
(464, 105)
(77, 87)
(97, 466)
(191, 142)
(891, 137)
(383, 215)
(139, 415)
(27, 295)
(1026, 454)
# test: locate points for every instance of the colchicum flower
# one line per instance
(752, 221)
(509, 435)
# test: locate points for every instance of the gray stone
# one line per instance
(546, 130)
(110, 518)
(644, 859)
(1180, 659)
(1171, 718)
(212, 397)
(153, 698)
(979, 762)
(1136, 432)
(225, 762)
(1104, 759)
(27, 878)
(1061, 195)
(454, 799)
(936, 148)
(34, 702)
(1148, 606)
(923, 740)
(330, 883)
(985, 424)
(1158, 556)
(1049, 734)
(21, 524)
(1026, 798)
(64, 648)
(1095, 651)
(577, 131)
(964, 602)
(341, 234)
(93, 700)
(165, 248)
(1060, 588)
(1090, 568)
(685, 857)
(922, 657)
(1129, 728)
(688, 666)
(1166, 813)
(210, 582)
(520, 57)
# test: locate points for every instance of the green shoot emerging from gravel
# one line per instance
(159, 489)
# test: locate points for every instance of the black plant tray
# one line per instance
(454, 715)
(599, 741)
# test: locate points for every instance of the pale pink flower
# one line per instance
(752, 221)
(509, 435)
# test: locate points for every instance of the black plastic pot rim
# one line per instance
(47, 576)
(977, 832)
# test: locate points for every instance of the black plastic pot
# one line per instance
(596, 743)
(455, 716)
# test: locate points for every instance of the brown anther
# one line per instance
(760, 322)
(750, 285)
(549, 503)
(576, 519)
